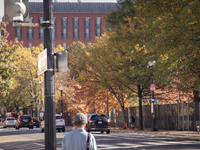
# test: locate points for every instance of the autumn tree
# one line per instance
(27, 89)
(7, 67)
(172, 35)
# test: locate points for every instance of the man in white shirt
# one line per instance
(77, 138)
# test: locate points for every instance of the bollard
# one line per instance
(198, 129)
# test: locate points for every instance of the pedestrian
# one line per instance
(68, 121)
(78, 138)
(132, 122)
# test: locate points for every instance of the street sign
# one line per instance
(152, 87)
(153, 100)
(42, 62)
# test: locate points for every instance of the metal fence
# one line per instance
(181, 116)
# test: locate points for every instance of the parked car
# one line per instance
(36, 122)
(60, 124)
(97, 122)
(24, 121)
(9, 122)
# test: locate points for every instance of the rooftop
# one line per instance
(67, 7)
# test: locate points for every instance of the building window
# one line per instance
(64, 45)
(87, 27)
(64, 28)
(54, 27)
(75, 28)
(30, 30)
(30, 45)
(41, 34)
(18, 31)
(98, 26)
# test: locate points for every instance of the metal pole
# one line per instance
(107, 106)
(61, 103)
(153, 114)
(49, 77)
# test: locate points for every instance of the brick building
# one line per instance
(72, 21)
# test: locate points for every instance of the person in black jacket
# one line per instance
(133, 122)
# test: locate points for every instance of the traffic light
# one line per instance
(16, 11)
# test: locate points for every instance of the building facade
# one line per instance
(72, 21)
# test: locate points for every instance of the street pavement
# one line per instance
(118, 139)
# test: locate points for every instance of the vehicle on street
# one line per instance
(36, 122)
(24, 121)
(97, 122)
(60, 124)
(12, 114)
(9, 122)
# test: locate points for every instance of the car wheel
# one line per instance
(102, 131)
(31, 127)
(108, 131)
(38, 126)
(42, 130)
(58, 130)
(63, 130)
(4, 126)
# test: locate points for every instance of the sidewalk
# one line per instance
(188, 134)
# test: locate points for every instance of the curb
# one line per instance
(188, 134)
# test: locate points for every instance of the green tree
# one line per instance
(123, 10)
(172, 34)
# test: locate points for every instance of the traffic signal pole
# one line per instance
(49, 78)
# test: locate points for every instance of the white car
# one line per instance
(60, 124)
(9, 122)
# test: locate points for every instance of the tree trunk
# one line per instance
(140, 107)
(125, 117)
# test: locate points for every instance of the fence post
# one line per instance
(194, 116)
(183, 119)
(178, 118)
(158, 118)
(170, 115)
(188, 117)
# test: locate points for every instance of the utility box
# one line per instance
(60, 61)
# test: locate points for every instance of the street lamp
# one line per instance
(61, 88)
(152, 88)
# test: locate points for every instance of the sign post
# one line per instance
(49, 77)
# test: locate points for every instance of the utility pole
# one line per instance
(49, 77)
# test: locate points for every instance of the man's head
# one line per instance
(80, 120)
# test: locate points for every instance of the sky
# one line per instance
(2, 3)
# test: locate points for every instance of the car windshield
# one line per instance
(58, 117)
(96, 117)
(10, 118)
(35, 119)
(25, 117)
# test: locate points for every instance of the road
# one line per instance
(27, 139)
